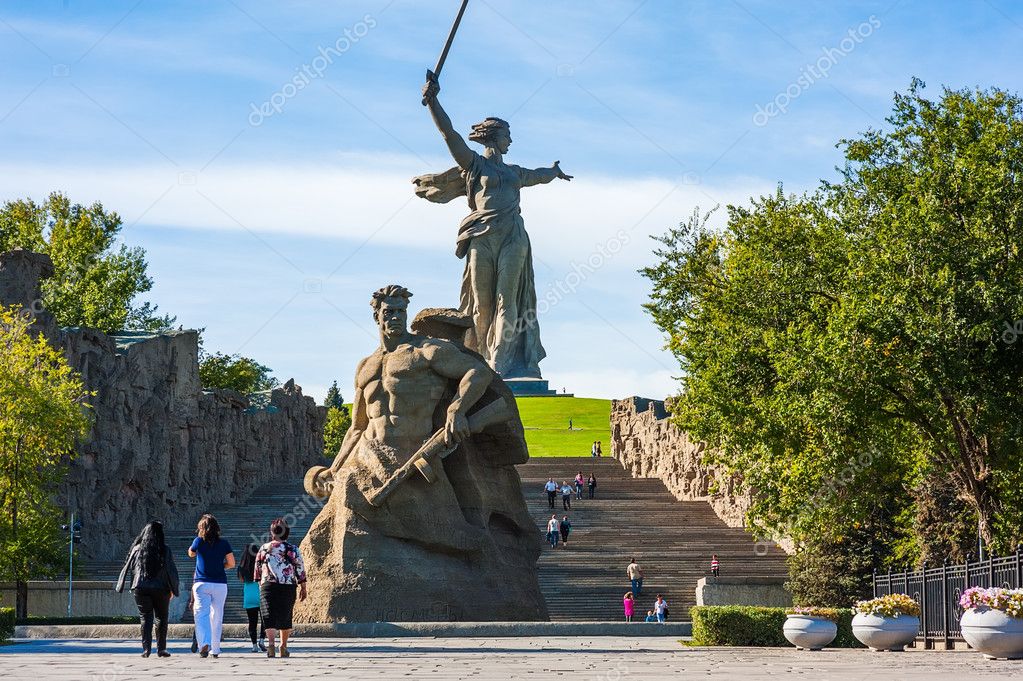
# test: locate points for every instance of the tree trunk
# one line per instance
(974, 474)
(986, 508)
(21, 600)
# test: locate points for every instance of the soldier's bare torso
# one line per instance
(401, 392)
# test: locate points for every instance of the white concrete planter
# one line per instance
(993, 633)
(805, 631)
(885, 633)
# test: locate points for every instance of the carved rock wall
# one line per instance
(160, 447)
(648, 444)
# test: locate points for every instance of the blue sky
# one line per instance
(270, 231)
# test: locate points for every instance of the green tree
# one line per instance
(334, 399)
(337, 424)
(855, 334)
(234, 372)
(42, 417)
(95, 283)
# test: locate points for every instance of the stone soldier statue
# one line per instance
(425, 517)
(498, 292)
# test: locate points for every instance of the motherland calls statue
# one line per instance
(498, 292)
(425, 518)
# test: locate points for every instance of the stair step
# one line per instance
(672, 541)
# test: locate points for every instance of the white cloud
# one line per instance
(566, 221)
(612, 354)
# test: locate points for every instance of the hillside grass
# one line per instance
(546, 422)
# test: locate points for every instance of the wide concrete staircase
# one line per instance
(632, 517)
(585, 581)
(240, 524)
(249, 523)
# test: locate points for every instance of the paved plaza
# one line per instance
(584, 658)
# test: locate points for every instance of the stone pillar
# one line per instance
(21, 276)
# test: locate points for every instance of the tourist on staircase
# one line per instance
(629, 604)
(280, 572)
(715, 566)
(592, 484)
(650, 616)
(635, 573)
(154, 582)
(213, 557)
(566, 496)
(565, 527)
(579, 482)
(661, 609)
(552, 491)
(553, 531)
(250, 596)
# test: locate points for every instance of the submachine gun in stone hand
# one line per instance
(437, 447)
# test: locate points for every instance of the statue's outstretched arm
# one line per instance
(460, 151)
(529, 177)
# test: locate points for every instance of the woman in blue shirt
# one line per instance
(213, 557)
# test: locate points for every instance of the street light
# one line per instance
(74, 530)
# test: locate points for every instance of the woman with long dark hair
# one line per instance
(280, 572)
(250, 596)
(213, 557)
(154, 582)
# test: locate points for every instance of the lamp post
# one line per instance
(980, 542)
(74, 530)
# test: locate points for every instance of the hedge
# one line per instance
(743, 625)
(6, 623)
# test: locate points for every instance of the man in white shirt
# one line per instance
(552, 491)
(566, 496)
(553, 531)
(635, 573)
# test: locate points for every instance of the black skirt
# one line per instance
(276, 604)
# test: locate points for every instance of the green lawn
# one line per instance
(546, 423)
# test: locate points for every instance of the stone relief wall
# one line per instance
(648, 444)
(160, 447)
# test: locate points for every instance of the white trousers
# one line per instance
(208, 610)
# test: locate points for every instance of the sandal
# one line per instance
(271, 650)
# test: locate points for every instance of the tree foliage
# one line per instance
(334, 399)
(339, 420)
(843, 347)
(234, 372)
(95, 283)
(43, 407)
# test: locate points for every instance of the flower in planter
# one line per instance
(891, 605)
(814, 611)
(1009, 601)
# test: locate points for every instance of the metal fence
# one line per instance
(937, 591)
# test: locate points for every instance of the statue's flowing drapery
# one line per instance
(498, 289)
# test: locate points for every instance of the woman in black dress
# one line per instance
(154, 582)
